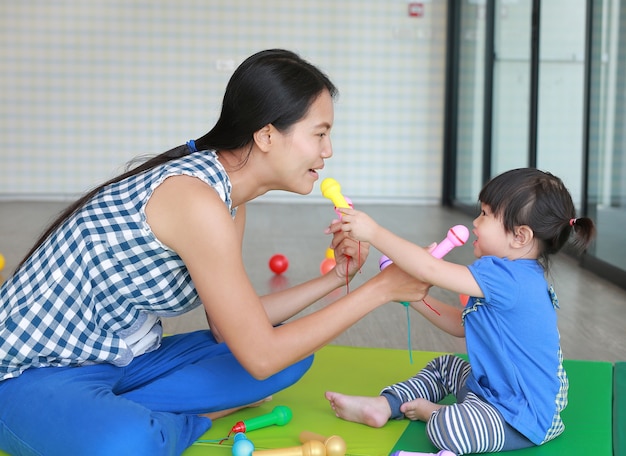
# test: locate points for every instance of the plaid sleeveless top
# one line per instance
(101, 281)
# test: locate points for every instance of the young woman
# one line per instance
(83, 365)
(512, 390)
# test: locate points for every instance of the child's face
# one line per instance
(491, 237)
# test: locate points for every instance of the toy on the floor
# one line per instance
(310, 448)
(2, 262)
(241, 445)
(280, 415)
(335, 445)
(328, 262)
(278, 263)
(413, 453)
(326, 265)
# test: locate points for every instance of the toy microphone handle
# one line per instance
(332, 190)
(335, 445)
(457, 235)
(311, 448)
(280, 415)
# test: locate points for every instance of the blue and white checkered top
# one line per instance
(100, 278)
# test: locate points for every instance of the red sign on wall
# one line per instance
(416, 9)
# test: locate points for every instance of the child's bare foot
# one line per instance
(223, 413)
(419, 409)
(373, 411)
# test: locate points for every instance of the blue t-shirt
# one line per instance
(513, 345)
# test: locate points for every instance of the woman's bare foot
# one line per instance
(223, 413)
(373, 411)
(419, 409)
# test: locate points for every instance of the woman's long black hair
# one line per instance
(274, 86)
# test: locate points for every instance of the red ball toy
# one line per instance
(278, 263)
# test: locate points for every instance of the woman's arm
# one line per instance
(284, 304)
(350, 256)
(189, 217)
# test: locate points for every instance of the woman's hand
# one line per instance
(402, 286)
(350, 255)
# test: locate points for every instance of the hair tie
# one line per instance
(572, 222)
(191, 144)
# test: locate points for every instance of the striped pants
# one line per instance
(471, 425)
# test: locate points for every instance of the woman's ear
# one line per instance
(524, 235)
(263, 137)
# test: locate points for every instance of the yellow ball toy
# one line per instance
(2, 262)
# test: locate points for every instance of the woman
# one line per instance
(84, 367)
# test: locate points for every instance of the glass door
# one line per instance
(607, 135)
(511, 85)
(561, 93)
(470, 103)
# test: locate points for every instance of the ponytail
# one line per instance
(583, 231)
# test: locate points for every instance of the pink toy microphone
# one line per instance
(457, 236)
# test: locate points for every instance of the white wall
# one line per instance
(86, 86)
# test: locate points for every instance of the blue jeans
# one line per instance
(149, 407)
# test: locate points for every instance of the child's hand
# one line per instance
(349, 254)
(358, 225)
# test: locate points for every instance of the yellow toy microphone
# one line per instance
(332, 190)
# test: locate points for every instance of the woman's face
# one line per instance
(302, 149)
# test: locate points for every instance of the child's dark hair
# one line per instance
(540, 200)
